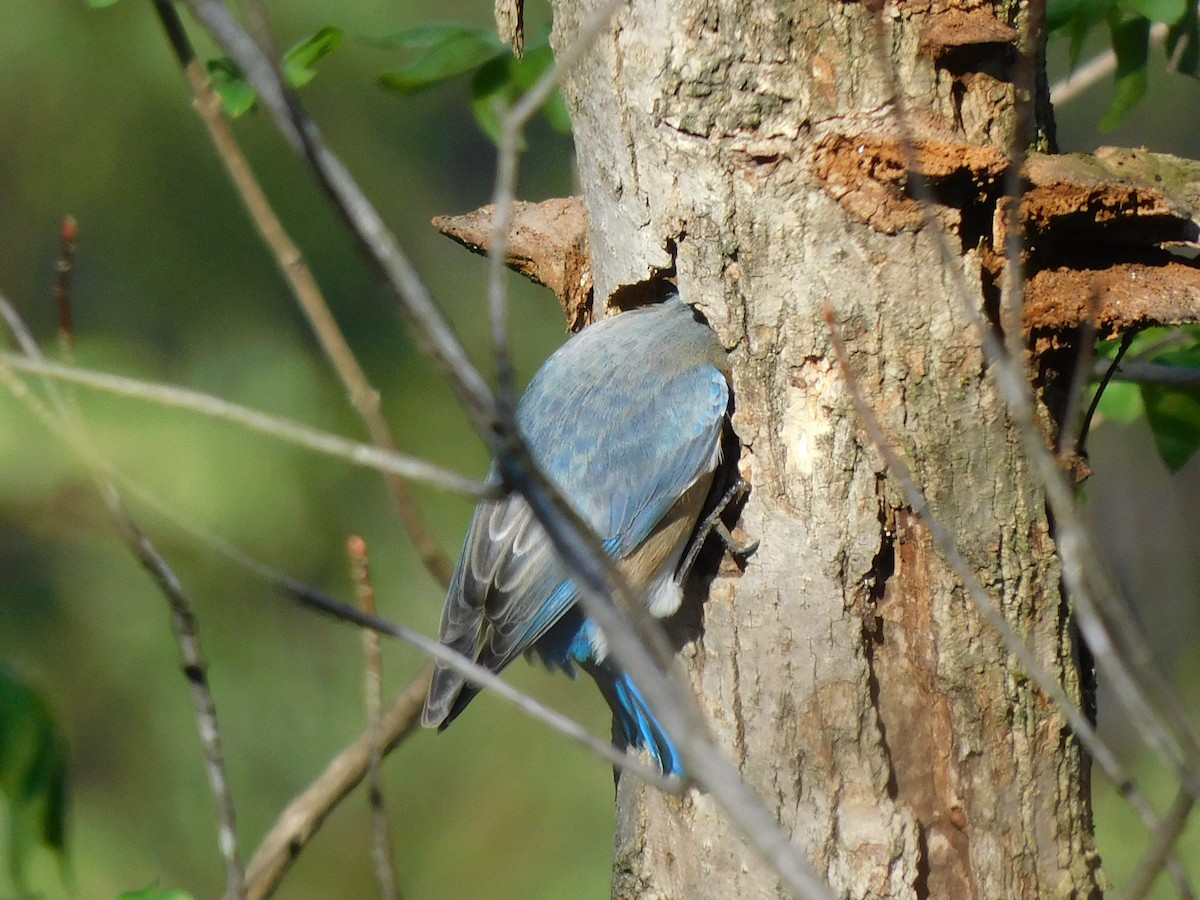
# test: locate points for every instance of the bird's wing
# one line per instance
(622, 478)
(636, 484)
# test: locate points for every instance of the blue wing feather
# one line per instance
(624, 418)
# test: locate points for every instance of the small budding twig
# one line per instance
(360, 574)
(62, 286)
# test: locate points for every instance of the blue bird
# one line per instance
(626, 419)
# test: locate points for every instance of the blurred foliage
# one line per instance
(1128, 23)
(156, 893)
(1173, 413)
(33, 775)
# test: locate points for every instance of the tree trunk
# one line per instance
(845, 670)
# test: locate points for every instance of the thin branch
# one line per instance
(1158, 374)
(62, 284)
(252, 420)
(195, 668)
(512, 122)
(290, 261)
(183, 620)
(481, 676)
(381, 850)
(1107, 376)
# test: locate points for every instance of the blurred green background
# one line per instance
(171, 283)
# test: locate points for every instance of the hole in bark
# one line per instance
(921, 883)
(883, 566)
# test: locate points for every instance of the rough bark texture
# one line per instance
(844, 669)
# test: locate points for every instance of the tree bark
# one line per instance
(844, 669)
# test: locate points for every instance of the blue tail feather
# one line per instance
(635, 723)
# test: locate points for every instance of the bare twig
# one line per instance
(62, 284)
(290, 261)
(195, 668)
(252, 420)
(1157, 374)
(512, 122)
(183, 620)
(385, 872)
(301, 819)
(1107, 376)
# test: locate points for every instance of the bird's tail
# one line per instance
(636, 725)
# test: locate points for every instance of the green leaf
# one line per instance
(1173, 413)
(33, 774)
(1069, 14)
(226, 79)
(1185, 56)
(1166, 11)
(1131, 43)
(1121, 402)
(156, 893)
(1174, 418)
(492, 90)
(456, 52)
(300, 60)
(101, 4)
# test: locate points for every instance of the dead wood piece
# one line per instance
(547, 243)
(958, 29)
(868, 175)
(1126, 295)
